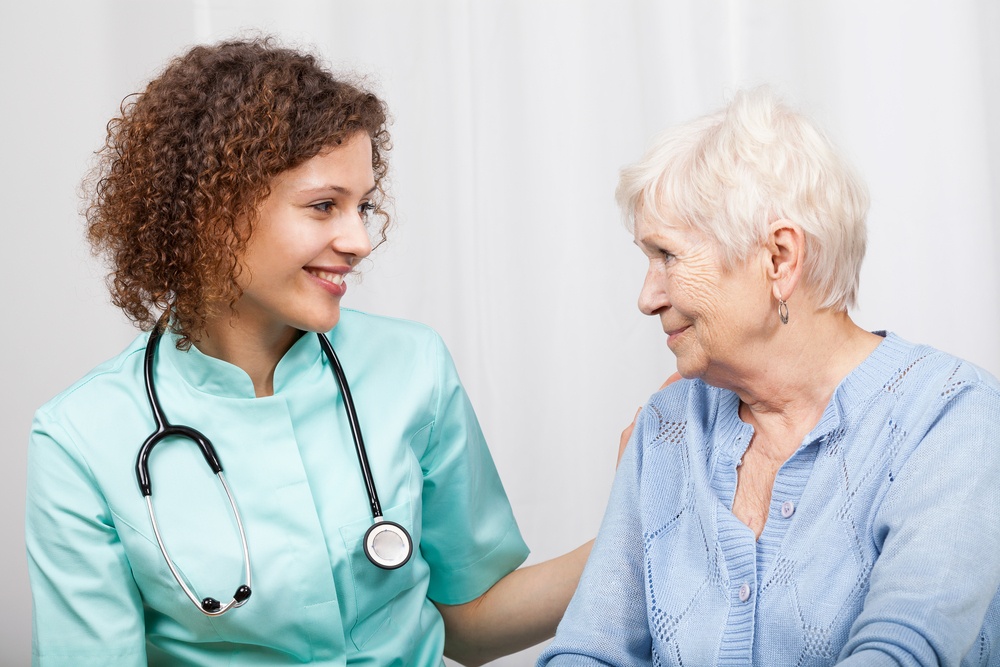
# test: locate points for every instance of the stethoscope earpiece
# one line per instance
(212, 606)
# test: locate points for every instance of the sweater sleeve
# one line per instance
(936, 526)
(86, 606)
(606, 623)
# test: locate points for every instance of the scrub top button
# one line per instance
(744, 592)
(787, 509)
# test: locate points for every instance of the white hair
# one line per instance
(730, 174)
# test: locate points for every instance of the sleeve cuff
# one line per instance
(468, 583)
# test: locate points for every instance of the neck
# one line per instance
(790, 380)
(256, 352)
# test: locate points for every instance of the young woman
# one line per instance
(264, 477)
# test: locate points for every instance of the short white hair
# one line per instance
(731, 173)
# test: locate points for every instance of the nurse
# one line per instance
(233, 198)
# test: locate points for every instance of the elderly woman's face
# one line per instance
(712, 317)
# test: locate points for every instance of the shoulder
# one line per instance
(686, 423)
(932, 378)
(914, 405)
(120, 374)
(360, 329)
(686, 403)
(392, 350)
(95, 418)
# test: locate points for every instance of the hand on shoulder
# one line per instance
(627, 433)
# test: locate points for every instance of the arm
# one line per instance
(606, 622)
(86, 607)
(939, 566)
(488, 611)
(519, 611)
(523, 608)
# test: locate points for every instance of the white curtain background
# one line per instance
(512, 119)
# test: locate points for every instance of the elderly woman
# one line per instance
(811, 493)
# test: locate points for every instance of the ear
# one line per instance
(786, 245)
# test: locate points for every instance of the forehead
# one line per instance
(652, 228)
(346, 164)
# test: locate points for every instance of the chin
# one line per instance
(688, 369)
(320, 324)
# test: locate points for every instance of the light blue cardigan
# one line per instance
(882, 545)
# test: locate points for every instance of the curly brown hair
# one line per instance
(188, 162)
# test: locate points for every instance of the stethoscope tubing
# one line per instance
(208, 606)
(352, 418)
(164, 429)
(402, 544)
(379, 524)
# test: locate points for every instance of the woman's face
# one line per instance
(310, 234)
(714, 319)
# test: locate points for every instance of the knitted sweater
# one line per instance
(882, 544)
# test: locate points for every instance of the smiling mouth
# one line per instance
(330, 277)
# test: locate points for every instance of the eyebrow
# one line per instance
(335, 188)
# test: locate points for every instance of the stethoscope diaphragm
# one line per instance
(388, 545)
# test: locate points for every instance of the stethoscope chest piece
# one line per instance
(388, 545)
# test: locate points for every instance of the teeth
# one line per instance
(335, 278)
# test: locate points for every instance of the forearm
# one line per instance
(519, 611)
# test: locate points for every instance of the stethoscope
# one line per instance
(386, 543)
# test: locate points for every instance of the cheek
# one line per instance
(699, 293)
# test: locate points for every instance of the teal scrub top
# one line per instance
(102, 593)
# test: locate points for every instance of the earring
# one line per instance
(783, 311)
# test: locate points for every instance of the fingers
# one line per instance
(670, 380)
(626, 434)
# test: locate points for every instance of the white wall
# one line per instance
(512, 119)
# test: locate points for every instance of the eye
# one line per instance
(322, 206)
(365, 209)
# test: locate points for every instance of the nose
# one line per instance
(353, 239)
(653, 296)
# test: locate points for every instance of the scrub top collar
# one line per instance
(221, 378)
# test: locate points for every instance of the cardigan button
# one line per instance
(744, 592)
(787, 509)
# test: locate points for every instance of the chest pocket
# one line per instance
(375, 590)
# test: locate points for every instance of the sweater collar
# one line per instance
(867, 379)
(855, 390)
